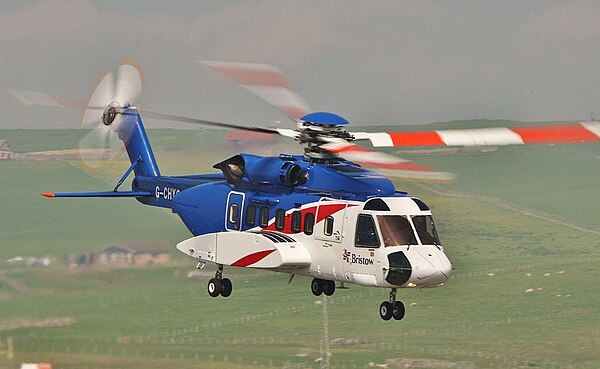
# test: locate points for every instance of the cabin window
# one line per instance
(296, 221)
(234, 215)
(396, 230)
(251, 215)
(328, 226)
(280, 219)
(376, 204)
(309, 223)
(366, 233)
(263, 217)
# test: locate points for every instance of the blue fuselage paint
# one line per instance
(202, 201)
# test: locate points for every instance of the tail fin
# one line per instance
(131, 131)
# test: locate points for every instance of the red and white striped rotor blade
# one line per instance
(578, 132)
(265, 82)
(386, 164)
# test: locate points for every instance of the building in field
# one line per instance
(5, 151)
(149, 253)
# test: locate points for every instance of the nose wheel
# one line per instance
(219, 285)
(392, 308)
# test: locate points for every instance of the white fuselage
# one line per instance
(394, 246)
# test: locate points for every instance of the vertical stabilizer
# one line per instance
(131, 131)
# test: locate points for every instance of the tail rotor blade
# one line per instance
(128, 84)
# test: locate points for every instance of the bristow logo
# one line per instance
(346, 256)
(351, 258)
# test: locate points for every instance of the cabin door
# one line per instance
(330, 220)
(235, 204)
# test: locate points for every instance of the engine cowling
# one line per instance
(269, 171)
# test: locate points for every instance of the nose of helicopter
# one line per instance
(431, 266)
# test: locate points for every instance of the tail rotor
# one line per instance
(118, 89)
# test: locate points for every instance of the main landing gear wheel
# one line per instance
(226, 287)
(219, 285)
(316, 286)
(398, 312)
(319, 286)
(385, 310)
(392, 309)
(214, 287)
(328, 288)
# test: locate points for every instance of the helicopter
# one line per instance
(323, 214)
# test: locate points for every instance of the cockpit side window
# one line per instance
(426, 229)
(366, 233)
(396, 230)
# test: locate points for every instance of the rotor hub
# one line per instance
(110, 113)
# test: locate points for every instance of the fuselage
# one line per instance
(350, 221)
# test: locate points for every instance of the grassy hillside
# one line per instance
(523, 293)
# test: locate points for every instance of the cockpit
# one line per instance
(374, 230)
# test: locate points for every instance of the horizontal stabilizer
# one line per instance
(99, 194)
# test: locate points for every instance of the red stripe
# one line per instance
(416, 139)
(563, 133)
(242, 135)
(252, 258)
(253, 77)
(48, 194)
(288, 221)
(294, 111)
(405, 165)
(325, 210)
(348, 148)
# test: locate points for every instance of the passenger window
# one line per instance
(296, 221)
(263, 217)
(309, 223)
(366, 233)
(328, 226)
(280, 219)
(251, 215)
(234, 215)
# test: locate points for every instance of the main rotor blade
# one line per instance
(266, 82)
(578, 132)
(177, 118)
(389, 165)
(27, 97)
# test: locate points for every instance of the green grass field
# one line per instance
(516, 220)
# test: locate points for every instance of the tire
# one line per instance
(328, 287)
(226, 287)
(385, 310)
(214, 287)
(316, 286)
(399, 311)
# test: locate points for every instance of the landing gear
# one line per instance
(328, 288)
(320, 286)
(392, 309)
(219, 285)
(214, 287)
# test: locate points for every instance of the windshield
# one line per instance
(426, 229)
(396, 230)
